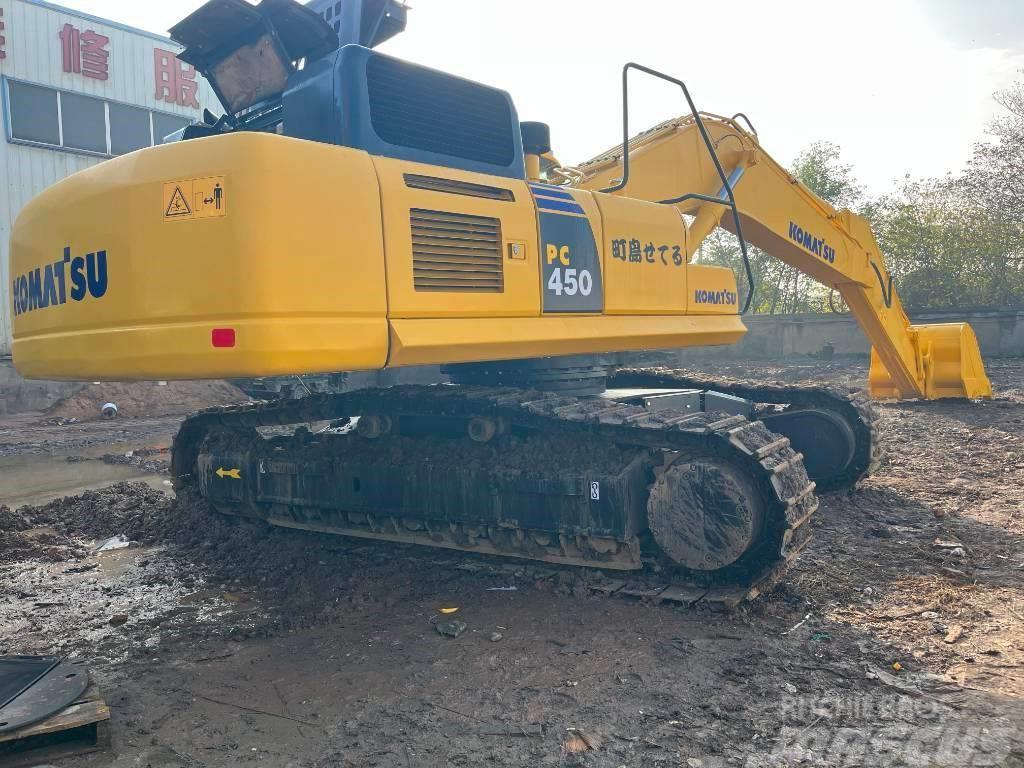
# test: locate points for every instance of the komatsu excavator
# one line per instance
(352, 211)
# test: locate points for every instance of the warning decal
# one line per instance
(189, 199)
(178, 205)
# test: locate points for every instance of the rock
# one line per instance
(452, 628)
(496, 637)
(789, 688)
(956, 575)
(954, 634)
(118, 620)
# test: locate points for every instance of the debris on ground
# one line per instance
(452, 628)
(114, 542)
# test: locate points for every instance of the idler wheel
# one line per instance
(825, 439)
(704, 513)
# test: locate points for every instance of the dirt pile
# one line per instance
(133, 510)
(11, 521)
(21, 539)
(146, 398)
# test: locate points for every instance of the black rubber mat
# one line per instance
(19, 672)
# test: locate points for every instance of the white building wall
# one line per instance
(33, 53)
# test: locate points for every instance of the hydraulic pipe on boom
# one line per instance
(787, 220)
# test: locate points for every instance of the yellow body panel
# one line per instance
(279, 267)
(422, 342)
(302, 254)
(638, 272)
(518, 224)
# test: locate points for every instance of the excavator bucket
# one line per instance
(951, 362)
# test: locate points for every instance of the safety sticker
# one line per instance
(191, 199)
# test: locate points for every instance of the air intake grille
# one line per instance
(456, 252)
(419, 108)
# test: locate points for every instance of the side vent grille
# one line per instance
(453, 187)
(456, 252)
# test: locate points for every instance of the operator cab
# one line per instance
(310, 72)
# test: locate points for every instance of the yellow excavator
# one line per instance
(351, 211)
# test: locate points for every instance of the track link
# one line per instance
(854, 406)
(769, 460)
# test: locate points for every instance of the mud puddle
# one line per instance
(37, 479)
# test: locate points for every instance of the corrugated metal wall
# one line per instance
(32, 52)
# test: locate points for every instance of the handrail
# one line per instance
(726, 185)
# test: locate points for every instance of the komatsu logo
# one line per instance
(815, 245)
(714, 297)
(70, 278)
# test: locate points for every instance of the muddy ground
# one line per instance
(897, 640)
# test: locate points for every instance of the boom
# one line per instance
(782, 216)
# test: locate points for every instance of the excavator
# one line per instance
(351, 211)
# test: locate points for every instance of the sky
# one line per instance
(902, 86)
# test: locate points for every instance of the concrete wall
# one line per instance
(1000, 333)
(18, 395)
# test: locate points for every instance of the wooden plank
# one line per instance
(684, 595)
(87, 709)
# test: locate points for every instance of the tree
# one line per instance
(819, 168)
(959, 240)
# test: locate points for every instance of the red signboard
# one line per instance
(3, 40)
(175, 81)
(85, 53)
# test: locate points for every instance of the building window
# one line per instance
(78, 123)
(34, 113)
(164, 125)
(84, 123)
(129, 129)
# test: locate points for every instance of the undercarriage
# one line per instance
(658, 475)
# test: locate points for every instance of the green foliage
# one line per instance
(959, 240)
(820, 170)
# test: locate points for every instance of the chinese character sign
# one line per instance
(175, 81)
(85, 53)
(3, 40)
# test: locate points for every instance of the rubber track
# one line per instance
(779, 470)
(854, 406)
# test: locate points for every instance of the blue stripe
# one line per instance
(558, 205)
(550, 192)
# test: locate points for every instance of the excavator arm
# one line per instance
(672, 163)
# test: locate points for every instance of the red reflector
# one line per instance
(223, 337)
